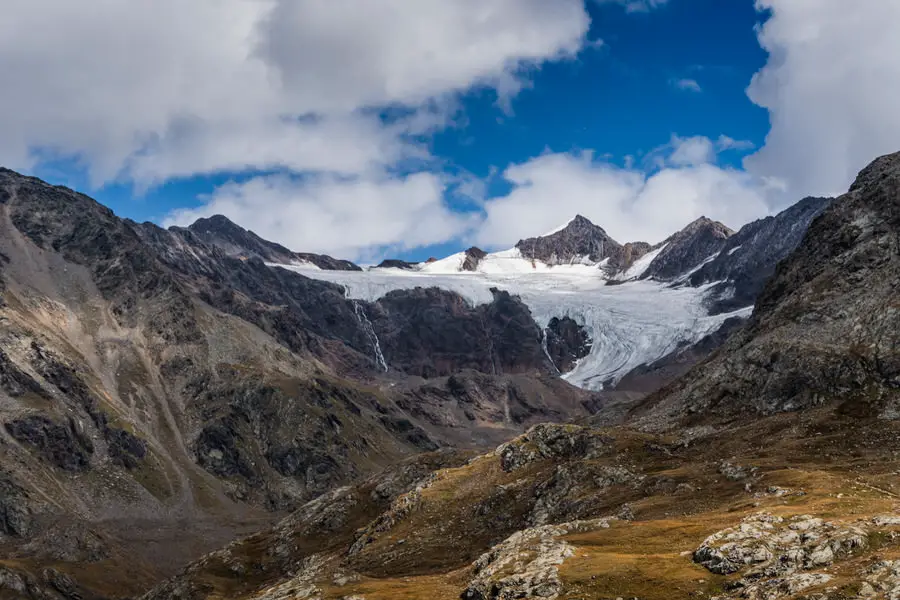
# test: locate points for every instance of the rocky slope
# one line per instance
(748, 259)
(164, 390)
(825, 329)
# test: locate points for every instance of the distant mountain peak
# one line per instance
(234, 240)
(578, 239)
(717, 228)
(215, 222)
(688, 249)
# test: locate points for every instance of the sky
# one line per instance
(416, 128)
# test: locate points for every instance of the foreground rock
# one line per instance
(525, 565)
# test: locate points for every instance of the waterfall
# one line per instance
(368, 328)
(547, 352)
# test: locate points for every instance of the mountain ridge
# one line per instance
(716, 487)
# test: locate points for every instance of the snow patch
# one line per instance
(302, 265)
(557, 229)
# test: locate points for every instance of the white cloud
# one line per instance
(630, 204)
(687, 85)
(691, 151)
(153, 89)
(832, 88)
(636, 5)
(344, 217)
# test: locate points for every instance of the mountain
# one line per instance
(162, 391)
(237, 242)
(166, 391)
(766, 472)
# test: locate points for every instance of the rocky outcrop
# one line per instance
(779, 557)
(327, 263)
(775, 546)
(550, 441)
(525, 565)
(473, 258)
(566, 343)
(631, 252)
(825, 329)
(16, 512)
(688, 249)
(49, 585)
(56, 443)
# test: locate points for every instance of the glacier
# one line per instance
(630, 323)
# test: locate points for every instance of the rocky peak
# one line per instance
(578, 240)
(237, 242)
(688, 249)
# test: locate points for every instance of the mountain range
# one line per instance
(200, 413)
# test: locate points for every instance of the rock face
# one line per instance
(218, 231)
(474, 256)
(566, 342)
(779, 558)
(826, 326)
(688, 249)
(432, 333)
(578, 240)
(633, 251)
(748, 258)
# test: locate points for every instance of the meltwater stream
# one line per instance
(367, 326)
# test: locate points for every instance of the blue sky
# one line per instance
(415, 129)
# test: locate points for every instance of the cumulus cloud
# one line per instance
(355, 217)
(631, 204)
(153, 89)
(832, 88)
(150, 90)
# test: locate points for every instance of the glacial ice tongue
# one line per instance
(630, 324)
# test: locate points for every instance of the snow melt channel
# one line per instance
(630, 324)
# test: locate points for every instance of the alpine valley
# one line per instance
(199, 413)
